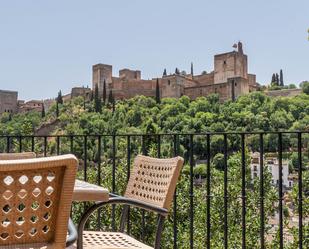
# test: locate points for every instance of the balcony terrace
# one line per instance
(217, 204)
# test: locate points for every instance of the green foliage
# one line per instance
(218, 161)
(254, 112)
(305, 87)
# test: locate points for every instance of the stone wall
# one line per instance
(284, 93)
(81, 91)
(227, 66)
(101, 72)
(230, 65)
(130, 74)
(8, 101)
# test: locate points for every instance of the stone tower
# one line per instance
(101, 72)
(230, 65)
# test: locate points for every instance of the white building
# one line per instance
(272, 165)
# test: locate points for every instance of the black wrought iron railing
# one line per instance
(98, 153)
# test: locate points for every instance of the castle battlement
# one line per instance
(230, 79)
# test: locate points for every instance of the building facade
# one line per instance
(8, 101)
(230, 79)
(272, 165)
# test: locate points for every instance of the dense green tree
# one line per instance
(305, 87)
(218, 161)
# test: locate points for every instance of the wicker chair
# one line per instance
(151, 186)
(32, 193)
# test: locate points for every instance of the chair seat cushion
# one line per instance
(111, 240)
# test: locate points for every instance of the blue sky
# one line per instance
(50, 45)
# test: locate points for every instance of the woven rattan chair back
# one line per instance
(154, 180)
(32, 193)
(16, 156)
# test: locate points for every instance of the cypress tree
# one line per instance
(277, 79)
(177, 71)
(43, 111)
(281, 78)
(113, 106)
(97, 100)
(111, 97)
(59, 98)
(273, 78)
(158, 100)
(164, 72)
(104, 92)
(192, 69)
(57, 109)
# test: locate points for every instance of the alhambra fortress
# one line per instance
(229, 79)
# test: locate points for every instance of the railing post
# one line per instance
(208, 194)
(175, 231)
(191, 194)
(225, 194)
(99, 178)
(144, 151)
(71, 144)
(280, 192)
(262, 214)
(128, 177)
(113, 178)
(85, 158)
(32, 143)
(8, 141)
(58, 145)
(20, 144)
(45, 146)
(243, 189)
(300, 192)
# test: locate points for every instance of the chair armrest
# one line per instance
(116, 199)
(72, 234)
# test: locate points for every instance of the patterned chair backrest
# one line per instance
(16, 156)
(154, 180)
(32, 193)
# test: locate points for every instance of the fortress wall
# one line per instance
(8, 101)
(205, 79)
